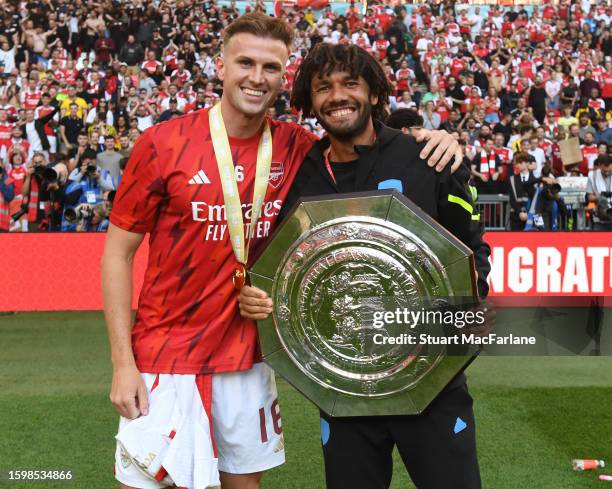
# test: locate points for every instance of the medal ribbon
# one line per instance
(328, 165)
(231, 197)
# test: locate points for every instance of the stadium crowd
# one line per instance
(80, 80)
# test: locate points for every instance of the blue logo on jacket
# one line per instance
(391, 184)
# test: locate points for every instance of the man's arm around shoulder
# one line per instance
(128, 391)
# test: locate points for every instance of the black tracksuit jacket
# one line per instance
(444, 196)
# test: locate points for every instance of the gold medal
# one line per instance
(229, 185)
(239, 276)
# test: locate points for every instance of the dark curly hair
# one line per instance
(326, 58)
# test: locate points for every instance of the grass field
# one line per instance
(534, 414)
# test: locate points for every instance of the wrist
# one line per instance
(123, 361)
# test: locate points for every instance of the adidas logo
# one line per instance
(199, 178)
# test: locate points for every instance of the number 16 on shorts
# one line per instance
(274, 415)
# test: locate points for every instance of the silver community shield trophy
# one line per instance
(333, 268)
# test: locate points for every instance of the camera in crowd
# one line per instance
(20, 213)
(83, 212)
(551, 190)
(45, 174)
(50, 175)
(604, 206)
(39, 170)
(89, 161)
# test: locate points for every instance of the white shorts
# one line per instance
(241, 411)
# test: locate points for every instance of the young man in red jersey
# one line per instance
(188, 375)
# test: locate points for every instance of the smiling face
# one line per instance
(251, 68)
(342, 104)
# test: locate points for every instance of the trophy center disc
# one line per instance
(333, 290)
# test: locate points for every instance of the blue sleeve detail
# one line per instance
(391, 184)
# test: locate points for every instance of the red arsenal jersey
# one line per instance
(150, 66)
(403, 76)
(188, 320)
(606, 91)
(589, 155)
(453, 28)
(181, 78)
(546, 146)
(18, 175)
(528, 69)
(5, 134)
(30, 99)
(493, 105)
(505, 154)
(457, 65)
(597, 73)
(290, 72)
(381, 47)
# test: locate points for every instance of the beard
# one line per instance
(347, 132)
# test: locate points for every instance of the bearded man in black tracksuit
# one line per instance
(346, 89)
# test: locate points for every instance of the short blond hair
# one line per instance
(260, 25)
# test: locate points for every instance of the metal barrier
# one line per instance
(575, 218)
(494, 211)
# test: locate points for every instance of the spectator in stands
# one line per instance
(551, 207)
(131, 53)
(453, 123)
(568, 118)
(406, 120)
(431, 119)
(16, 174)
(7, 193)
(171, 112)
(486, 168)
(87, 185)
(584, 125)
(124, 64)
(144, 113)
(73, 98)
(505, 156)
(602, 150)
(599, 192)
(604, 132)
(553, 89)
(588, 84)
(125, 145)
(70, 127)
(90, 218)
(7, 58)
(537, 99)
(529, 145)
(109, 160)
(522, 190)
(504, 127)
(34, 129)
(34, 191)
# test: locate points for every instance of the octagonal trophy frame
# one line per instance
(331, 265)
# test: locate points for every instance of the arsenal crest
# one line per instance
(277, 174)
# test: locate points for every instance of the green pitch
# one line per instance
(534, 414)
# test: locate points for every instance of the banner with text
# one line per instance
(58, 271)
